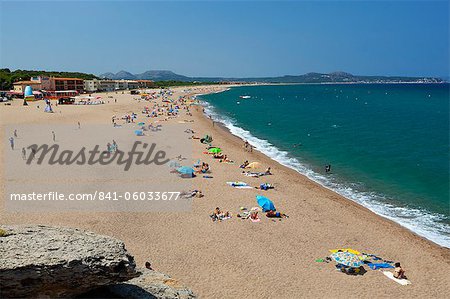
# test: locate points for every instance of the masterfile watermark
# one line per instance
(53, 168)
(95, 156)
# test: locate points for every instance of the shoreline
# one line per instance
(318, 181)
(238, 140)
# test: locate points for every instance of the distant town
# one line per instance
(55, 85)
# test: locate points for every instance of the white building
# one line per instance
(106, 85)
(133, 84)
(91, 85)
(109, 85)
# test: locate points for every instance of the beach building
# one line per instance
(91, 85)
(19, 87)
(121, 84)
(132, 84)
(106, 85)
(61, 84)
(145, 84)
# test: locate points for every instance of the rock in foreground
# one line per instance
(42, 261)
(151, 285)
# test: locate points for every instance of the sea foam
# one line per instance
(424, 223)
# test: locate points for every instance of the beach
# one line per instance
(234, 257)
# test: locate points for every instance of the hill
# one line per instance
(334, 77)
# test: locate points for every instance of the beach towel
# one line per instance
(239, 185)
(375, 266)
(390, 275)
(252, 174)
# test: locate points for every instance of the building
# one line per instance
(133, 84)
(145, 83)
(91, 85)
(45, 82)
(106, 85)
(121, 84)
(60, 84)
(20, 86)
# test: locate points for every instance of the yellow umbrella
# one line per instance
(345, 250)
(254, 165)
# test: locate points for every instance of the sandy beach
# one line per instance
(237, 258)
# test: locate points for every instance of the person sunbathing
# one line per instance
(265, 186)
(218, 215)
(203, 169)
(245, 164)
(254, 215)
(273, 214)
(218, 156)
(267, 172)
(399, 272)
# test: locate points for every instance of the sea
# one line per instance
(387, 144)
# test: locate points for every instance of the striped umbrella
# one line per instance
(347, 259)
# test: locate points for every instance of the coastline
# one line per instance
(266, 257)
(223, 131)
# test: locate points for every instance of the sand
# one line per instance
(237, 257)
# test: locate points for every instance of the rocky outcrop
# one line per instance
(151, 285)
(42, 261)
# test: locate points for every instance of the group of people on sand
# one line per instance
(219, 215)
(203, 168)
(111, 147)
(222, 158)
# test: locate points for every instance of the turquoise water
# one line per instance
(388, 144)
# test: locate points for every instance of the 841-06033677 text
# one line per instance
(97, 195)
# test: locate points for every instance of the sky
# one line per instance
(229, 39)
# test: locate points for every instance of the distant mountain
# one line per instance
(120, 75)
(334, 77)
(157, 75)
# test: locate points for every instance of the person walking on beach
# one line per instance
(79, 125)
(15, 133)
(53, 136)
(11, 142)
(24, 153)
(246, 145)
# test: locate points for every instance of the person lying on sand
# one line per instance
(225, 159)
(218, 215)
(218, 156)
(273, 214)
(399, 272)
(203, 169)
(245, 164)
(254, 215)
(265, 186)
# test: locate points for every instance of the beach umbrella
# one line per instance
(347, 259)
(214, 150)
(185, 170)
(138, 132)
(254, 165)
(265, 203)
(141, 124)
(345, 250)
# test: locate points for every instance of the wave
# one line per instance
(422, 222)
